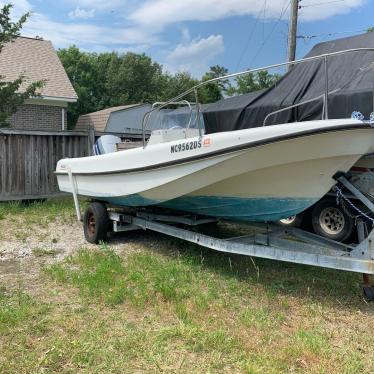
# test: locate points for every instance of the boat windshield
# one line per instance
(177, 118)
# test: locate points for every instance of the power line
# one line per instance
(244, 50)
(308, 37)
(263, 21)
(284, 9)
(319, 4)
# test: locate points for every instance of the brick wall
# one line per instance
(38, 117)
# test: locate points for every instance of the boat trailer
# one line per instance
(266, 241)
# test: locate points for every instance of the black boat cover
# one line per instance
(350, 83)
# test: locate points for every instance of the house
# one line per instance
(37, 60)
(118, 119)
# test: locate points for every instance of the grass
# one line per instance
(24, 217)
(181, 309)
(216, 316)
(17, 308)
(34, 210)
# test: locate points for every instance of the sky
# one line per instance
(192, 35)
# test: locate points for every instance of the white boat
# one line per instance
(257, 174)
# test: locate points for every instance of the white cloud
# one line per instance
(165, 12)
(98, 4)
(63, 35)
(186, 37)
(81, 13)
(319, 12)
(19, 8)
(195, 55)
(143, 20)
(86, 35)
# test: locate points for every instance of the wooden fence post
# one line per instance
(91, 140)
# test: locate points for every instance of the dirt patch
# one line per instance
(27, 247)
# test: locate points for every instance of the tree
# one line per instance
(84, 73)
(370, 29)
(10, 94)
(132, 78)
(215, 91)
(174, 85)
(110, 79)
(253, 82)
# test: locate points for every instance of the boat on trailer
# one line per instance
(258, 174)
(183, 176)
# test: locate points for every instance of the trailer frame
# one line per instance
(267, 241)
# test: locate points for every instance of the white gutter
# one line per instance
(67, 99)
(63, 119)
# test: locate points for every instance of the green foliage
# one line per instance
(253, 82)
(370, 29)
(143, 278)
(84, 75)
(10, 94)
(173, 85)
(38, 212)
(9, 30)
(17, 307)
(110, 79)
(98, 274)
(215, 91)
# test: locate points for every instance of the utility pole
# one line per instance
(292, 32)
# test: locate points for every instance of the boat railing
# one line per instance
(323, 97)
(324, 57)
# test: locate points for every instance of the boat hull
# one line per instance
(232, 208)
(265, 194)
(260, 182)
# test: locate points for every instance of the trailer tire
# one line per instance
(96, 223)
(331, 221)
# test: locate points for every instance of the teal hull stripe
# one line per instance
(233, 208)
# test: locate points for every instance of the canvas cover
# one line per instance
(351, 86)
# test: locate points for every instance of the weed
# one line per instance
(41, 252)
(17, 307)
(312, 340)
(142, 278)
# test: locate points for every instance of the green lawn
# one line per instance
(168, 306)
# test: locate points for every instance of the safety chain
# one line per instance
(340, 196)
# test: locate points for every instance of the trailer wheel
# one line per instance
(368, 292)
(331, 221)
(96, 223)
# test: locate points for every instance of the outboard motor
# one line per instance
(106, 144)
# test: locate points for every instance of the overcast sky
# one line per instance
(192, 35)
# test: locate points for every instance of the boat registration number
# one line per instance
(187, 146)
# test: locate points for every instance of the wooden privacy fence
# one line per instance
(28, 160)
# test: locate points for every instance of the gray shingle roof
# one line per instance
(37, 60)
